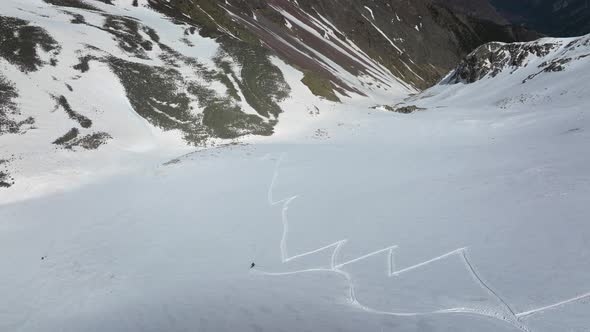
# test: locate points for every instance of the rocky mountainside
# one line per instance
(468, 212)
(137, 75)
(77, 76)
(543, 56)
(555, 18)
(482, 9)
(415, 41)
(558, 18)
(276, 165)
(517, 77)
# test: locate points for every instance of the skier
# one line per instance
(252, 266)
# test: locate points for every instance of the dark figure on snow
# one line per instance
(252, 266)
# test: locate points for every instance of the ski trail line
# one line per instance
(291, 273)
(419, 265)
(354, 302)
(482, 283)
(553, 306)
(335, 254)
(333, 245)
(275, 176)
(388, 249)
(507, 315)
(285, 221)
(475, 275)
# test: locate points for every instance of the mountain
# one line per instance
(336, 166)
(543, 56)
(468, 213)
(517, 76)
(79, 76)
(415, 41)
(482, 9)
(558, 18)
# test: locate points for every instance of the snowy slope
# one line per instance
(470, 215)
(87, 81)
(519, 76)
(93, 87)
(101, 62)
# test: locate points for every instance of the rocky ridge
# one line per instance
(492, 59)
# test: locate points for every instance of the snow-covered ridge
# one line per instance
(549, 72)
(542, 56)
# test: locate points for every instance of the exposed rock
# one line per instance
(417, 41)
(561, 61)
(400, 109)
(493, 58)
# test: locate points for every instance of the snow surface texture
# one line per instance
(468, 216)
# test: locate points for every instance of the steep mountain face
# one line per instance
(116, 76)
(559, 18)
(469, 215)
(138, 191)
(172, 77)
(491, 60)
(143, 75)
(482, 9)
(517, 78)
(416, 42)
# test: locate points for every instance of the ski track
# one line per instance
(508, 315)
(553, 306)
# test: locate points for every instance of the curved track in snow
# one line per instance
(507, 314)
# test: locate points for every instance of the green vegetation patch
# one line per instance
(6, 181)
(21, 41)
(262, 83)
(76, 18)
(211, 17)
(163, 97)
(71, 3)
(129, 39)
(84, 64)
(319, 86)
(81, 119)
(89, 142)
(224, 118)
(156, 94)
(71, 140)
(67, 137)
(9, 110)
